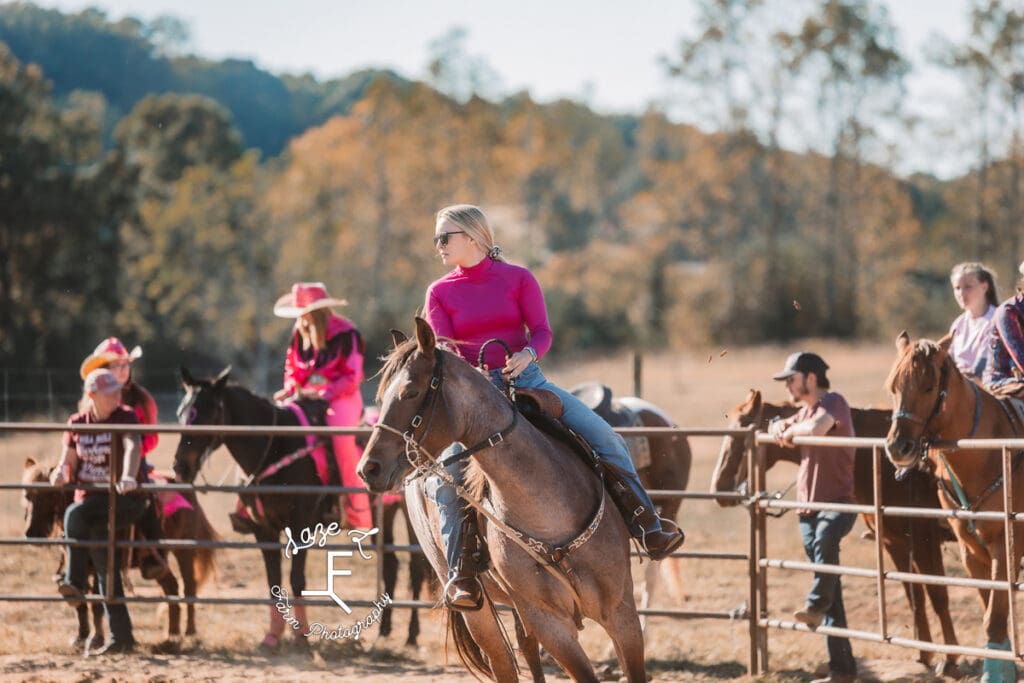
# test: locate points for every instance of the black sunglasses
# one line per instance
(442, 239)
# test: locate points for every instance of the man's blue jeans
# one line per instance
(821, 533)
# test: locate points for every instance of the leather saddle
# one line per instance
(544, 409)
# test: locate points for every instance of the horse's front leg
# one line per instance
(300, 626)
(996, 612)
(186, 560)
(169, 586)
(272, 565)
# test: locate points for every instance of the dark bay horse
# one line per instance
(912, 544)
(934, 405)
(663, 462)
(44, 518)
(538, 494)
(218, 402)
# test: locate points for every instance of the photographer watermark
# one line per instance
(323, 632)
(318, 536)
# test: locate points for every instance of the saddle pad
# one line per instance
(170, 501)
(319, 452)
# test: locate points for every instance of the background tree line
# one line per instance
(171, 199)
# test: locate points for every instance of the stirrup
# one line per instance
(458, 607)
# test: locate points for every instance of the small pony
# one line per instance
(181, 517)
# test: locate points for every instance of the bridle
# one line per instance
(422, 461)
(924, 441)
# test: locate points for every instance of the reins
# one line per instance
(425, 463)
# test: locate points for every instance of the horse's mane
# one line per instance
(903, 369)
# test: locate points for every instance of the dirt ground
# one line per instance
(697, 389)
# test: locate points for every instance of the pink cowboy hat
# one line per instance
(109, 350)
(305, 297)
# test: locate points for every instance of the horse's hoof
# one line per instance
(77, 642)
(95, 643)
(948, 669)
(271, 645)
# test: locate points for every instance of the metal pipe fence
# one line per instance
(759, 503)
(113, 543)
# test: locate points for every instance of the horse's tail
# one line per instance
(205, 562)
(465, 647)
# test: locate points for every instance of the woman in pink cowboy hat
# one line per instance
(325, 361)
(112, 355)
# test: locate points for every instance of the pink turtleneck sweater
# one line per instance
(491, 299)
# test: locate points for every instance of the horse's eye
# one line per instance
(412, 394)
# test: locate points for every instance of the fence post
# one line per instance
(638, 367)
(49, 395)
(876, 470)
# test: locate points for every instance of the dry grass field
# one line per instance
(697, 389)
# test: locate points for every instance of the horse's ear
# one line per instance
(946, 342)
(186, 377)
(425, 338)
(222, 378)
(29, 462)
(902, 341)
(398, 337)
(755, 401)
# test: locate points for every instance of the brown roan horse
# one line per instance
(911, 542)
(431, 398)
(934, 405)
(44, 517)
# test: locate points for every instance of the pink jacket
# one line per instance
(335, 371)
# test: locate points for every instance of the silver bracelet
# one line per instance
(532, 351)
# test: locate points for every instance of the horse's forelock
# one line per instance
(393, 363)
(915, 361)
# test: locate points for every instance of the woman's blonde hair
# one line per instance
(314, 333)
(473, 221)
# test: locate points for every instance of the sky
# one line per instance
(605, 53)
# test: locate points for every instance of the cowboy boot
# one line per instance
(638, 511)
(462, 593)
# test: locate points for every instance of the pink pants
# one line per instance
(345, 412)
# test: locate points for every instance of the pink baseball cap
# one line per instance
(102, 381)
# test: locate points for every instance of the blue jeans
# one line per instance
(577, 416)
(87, 521)
(821, 533)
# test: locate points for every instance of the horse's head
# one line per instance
(410, 405)
(203, 404)
(730, 474)
(918, 383)
(43, 509)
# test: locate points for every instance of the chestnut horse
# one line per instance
(537, 494)
(913, 544)
(934, 405)
(44, 517)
